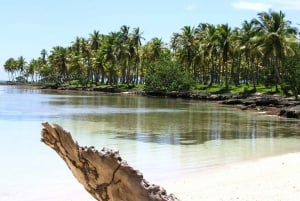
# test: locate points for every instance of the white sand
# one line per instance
(270, 179)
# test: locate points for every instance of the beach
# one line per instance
(268, 179)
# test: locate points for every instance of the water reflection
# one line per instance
(207, 127)
(150, 120)
(169, 121)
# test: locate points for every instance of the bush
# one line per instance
(165, 75)
(21, 79)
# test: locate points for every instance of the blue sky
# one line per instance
(28, 26)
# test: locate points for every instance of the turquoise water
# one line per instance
(163, 138)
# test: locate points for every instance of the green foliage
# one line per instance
(75, 83)
(217, 57)
(235, 89)
(21, 79)
(291, 77)
(165, 75)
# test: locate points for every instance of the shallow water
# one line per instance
(163, 138)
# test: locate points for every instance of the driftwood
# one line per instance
(102, 173)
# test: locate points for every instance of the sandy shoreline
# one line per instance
(269, 179)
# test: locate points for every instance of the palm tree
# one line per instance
(109, 56)
(135, 45)
(10, 66)
(275, 37)
(33, 69)
(236, 56)
(58, 61)
(76, 45)
(224, 40)
(99, 65)
(153, 50)
(122, 50)
(248, 45)
(21, 65)
(95, 40)
(44, 56)
(187, 49)
(209, 38)
(203, 51)
(86, 54)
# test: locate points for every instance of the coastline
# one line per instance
(265, 104)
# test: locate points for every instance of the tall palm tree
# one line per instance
(224, 40)
(109, 56)
(188, 48)
(33, 69)
(248, 46)
(10, 66)
(276, 34)
(58, 61)
(209, 40)
(135, 45)
(236, 56)
(21, 65)
(95, 42)
(122, 51)
(174, 43)
(204, 39)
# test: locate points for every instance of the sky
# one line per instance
(28, 26)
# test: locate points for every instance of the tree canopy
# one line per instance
(255, 53)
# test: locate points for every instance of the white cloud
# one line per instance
(287, 4)
(264, 5)
(247, 5)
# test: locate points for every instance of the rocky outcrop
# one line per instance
(103, 173)
(270, 104)
(290, 112)
(275, 105)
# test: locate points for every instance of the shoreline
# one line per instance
(264, 104)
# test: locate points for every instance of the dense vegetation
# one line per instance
(263, 51)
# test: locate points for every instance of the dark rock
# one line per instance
(290, 112)
(233, 102)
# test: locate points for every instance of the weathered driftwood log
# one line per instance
(103, 173)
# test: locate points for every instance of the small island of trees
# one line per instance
(263, 51)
